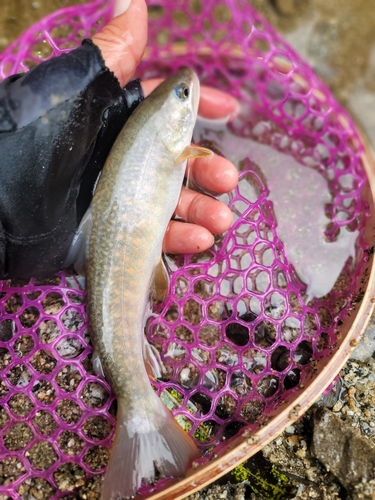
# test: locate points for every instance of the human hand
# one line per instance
(122, 43)
(57, 125)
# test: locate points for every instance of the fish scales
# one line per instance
(135, 198)
(130, 215)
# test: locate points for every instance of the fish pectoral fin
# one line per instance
(77, 255)
(160, 282)
(194, 152)
(154, 364)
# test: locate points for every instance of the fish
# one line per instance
(134, 200)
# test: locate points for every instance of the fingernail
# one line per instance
(121, 6)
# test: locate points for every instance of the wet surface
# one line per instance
(337, 39)
(18, 15)
(302, 221)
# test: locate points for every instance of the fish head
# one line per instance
(178, 98)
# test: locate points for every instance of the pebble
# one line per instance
(337, 406)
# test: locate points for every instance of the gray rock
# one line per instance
(342, 450)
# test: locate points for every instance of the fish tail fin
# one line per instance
(141, 446)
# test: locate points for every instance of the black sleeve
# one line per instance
(57, 125)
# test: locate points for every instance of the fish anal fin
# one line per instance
(97, 365)
(194, 152)
(160, 282)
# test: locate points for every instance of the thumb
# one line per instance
(123, 40)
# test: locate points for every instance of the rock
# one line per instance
(287, 7)
(343, 451)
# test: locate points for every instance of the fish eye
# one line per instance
(182, 91)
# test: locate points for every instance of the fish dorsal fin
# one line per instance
(194, 152)
(160, 282)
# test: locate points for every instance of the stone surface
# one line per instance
(343, 451)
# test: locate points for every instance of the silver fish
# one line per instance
(134, 201)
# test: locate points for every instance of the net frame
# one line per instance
(219, 40)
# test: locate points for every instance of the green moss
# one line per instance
(185, 423)
(172, 398)
(269, 487)
(281, 478)
(241, 473)
(203, 433)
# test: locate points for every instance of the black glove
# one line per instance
(57, 125)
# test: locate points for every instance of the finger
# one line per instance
(123, 40)
(216, 174)
(213, 103)
(204, 211)
(216, 104)
(149, 85)
(181, 237)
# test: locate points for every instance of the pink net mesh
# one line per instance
(53, 35)
(239, 328)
